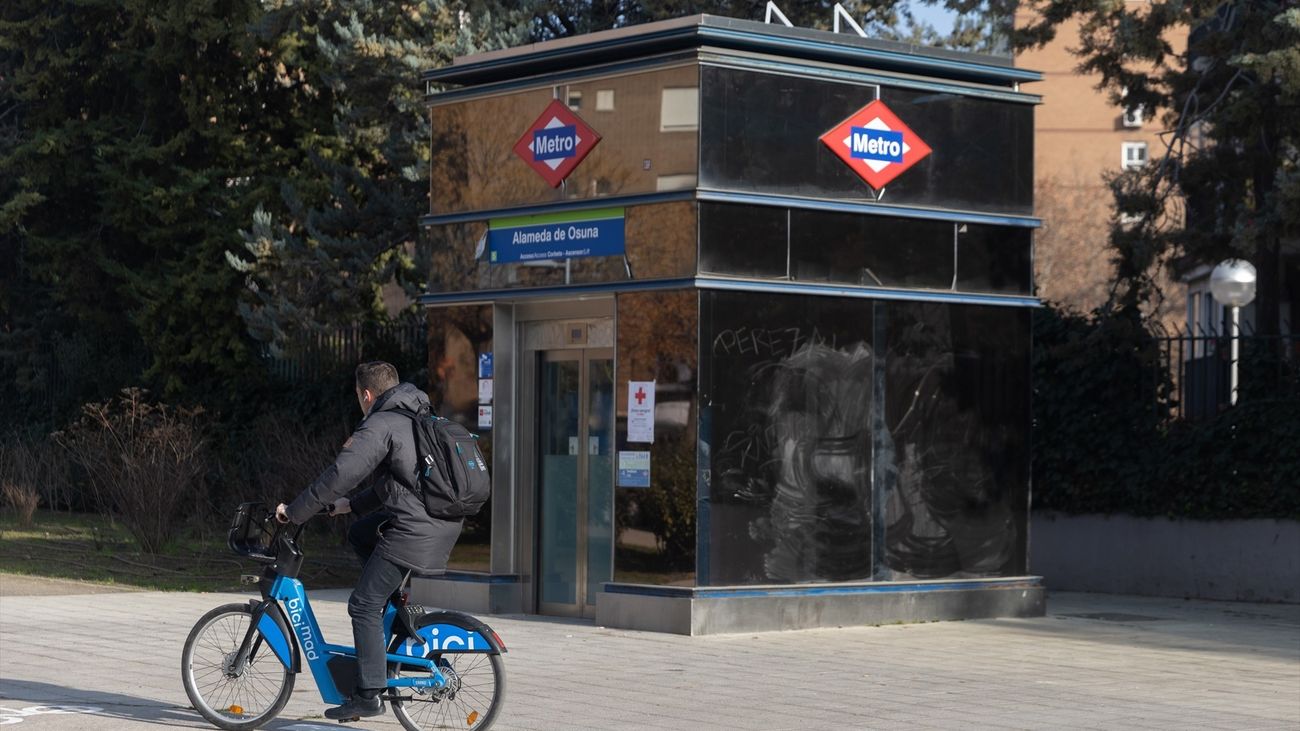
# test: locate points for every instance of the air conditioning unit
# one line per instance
(1134, 117)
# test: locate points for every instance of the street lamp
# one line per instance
(1233, 283)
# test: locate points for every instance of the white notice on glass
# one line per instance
(485, 390)
(485, 417)
(641, 411)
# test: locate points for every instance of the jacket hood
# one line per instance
(402, 396)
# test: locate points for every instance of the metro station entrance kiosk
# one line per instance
(741, 313)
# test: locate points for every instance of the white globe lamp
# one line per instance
(1233, 283)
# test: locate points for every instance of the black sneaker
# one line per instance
(357, 708)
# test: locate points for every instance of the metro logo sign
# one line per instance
(876, 144)
(556, 143)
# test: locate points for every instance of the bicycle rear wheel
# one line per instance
(470, 702)
(232, 702)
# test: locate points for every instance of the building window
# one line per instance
(1133, 118)
(1134, 155)
(679, 110)
(575, 100)
(605, 100)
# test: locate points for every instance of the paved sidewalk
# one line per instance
(1096, 661)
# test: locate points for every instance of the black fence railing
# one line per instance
(1199, 369)
(327, 354)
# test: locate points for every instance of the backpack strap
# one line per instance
(411, 483)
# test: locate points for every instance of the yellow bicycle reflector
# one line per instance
(471, 718)
(237, 710)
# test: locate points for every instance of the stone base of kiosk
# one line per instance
(470, 591)
(721, 610)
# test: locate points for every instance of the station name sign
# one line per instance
(556, 236)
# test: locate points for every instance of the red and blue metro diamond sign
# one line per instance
(556, 143)
(876, 144)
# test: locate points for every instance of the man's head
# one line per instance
(373, 379)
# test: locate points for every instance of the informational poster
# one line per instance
(641, 411)
(485, 390)
(484, 417)
(633, 469)
(485, 365)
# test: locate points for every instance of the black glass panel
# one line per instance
(659, 243)
(994, 259)
(647, 122)
(954, 471)
(745, 241)
(982, 152)
(877, 251)
(786, 394)
(655, 526)
(457, 337)
(761, 133)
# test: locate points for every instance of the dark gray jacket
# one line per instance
(383, 447)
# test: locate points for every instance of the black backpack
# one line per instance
(453, 476)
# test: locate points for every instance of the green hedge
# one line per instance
(1104, 442)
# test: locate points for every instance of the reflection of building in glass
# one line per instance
(840, 374)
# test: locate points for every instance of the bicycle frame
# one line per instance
(284, 620)
(332, 665)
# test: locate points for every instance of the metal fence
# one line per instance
(327, 354)
(1199, 365)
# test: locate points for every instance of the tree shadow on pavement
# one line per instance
(1160, 623)
(22, 700)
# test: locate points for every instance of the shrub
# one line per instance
(36, 465)
(1103, 440)
(145, 463)
(22, 499)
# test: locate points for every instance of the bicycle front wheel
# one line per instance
(474, 695)
(236, 702)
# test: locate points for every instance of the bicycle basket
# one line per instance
(252, 532)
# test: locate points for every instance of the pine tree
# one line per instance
(346, 221)
(125, 161)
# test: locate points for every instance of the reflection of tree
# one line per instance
(948, 513)
(457, 335)
(806, 456)
(661, 240)
(657, 341)
(453, 371)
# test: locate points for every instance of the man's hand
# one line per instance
(281, 514)
(341, 506)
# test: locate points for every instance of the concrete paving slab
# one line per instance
(111, 661)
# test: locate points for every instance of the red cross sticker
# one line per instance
(640, 396)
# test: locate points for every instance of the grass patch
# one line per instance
(95, 548)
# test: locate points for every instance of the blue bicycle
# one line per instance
(445, 668)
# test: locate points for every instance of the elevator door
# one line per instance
(575, 478)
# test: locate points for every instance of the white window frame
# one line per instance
(604, 100)
(1126, 162)
(570, 98)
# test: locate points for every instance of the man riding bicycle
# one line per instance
(399, 536)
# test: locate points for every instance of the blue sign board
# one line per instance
(556, 236)
(485, 365)
(555, 143)
(876, 144)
